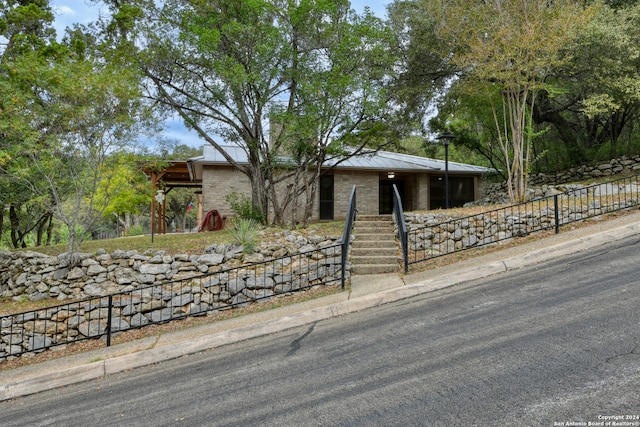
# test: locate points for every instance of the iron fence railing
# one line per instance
(37, 330)
(348, 228)
(398, 216)
(438, 238)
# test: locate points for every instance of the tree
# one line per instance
(425, 72)
(25, 27)
(505, 49)
(601, 98)
(299, 79)
(90, 119)
(125, 191)
(67, 111)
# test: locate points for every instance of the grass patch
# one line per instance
(183, 243)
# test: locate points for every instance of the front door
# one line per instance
(326, 197)
(386, 195)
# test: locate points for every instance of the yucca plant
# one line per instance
(245, 233)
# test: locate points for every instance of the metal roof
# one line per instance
(371, 160)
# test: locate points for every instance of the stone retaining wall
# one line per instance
(158, 287)
(36, 276)
(624, 164)
(437, 234)
(547, 184)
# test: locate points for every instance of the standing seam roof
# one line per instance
(380, 160)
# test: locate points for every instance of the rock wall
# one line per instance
(437, 234)
(620, 165)
(36, 276)
(547, 184)
(153, 288)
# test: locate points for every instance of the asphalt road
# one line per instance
(555, 344)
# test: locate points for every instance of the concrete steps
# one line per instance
(374, 248)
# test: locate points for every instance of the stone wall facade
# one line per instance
(367, 192)
(218, 183)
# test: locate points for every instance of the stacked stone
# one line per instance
(545, 185)
(438, 234)
(152, 288)
(620, 165)
(35, 276)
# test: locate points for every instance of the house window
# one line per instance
(326, 197)
(461, 191)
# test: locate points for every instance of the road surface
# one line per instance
(557, 344)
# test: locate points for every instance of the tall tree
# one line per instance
(600, 101)
(505, 49)
(424, 72)
(125, 191)
(25, 28)
(67, 110)
(300, 78)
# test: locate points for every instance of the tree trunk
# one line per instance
(259, 189)
(49, 230)
(2, 219)
(17, 238)
(310, 192)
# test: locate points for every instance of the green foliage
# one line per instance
(245, 232)
(244, 208)
(136, 230)
(63, 235)
(505, 52)
(66, 113)
(313, 68)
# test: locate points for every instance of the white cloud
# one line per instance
(63, 10)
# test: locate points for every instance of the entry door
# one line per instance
(326, 197)
(386, 195)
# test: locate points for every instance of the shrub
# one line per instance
(136, 230)
(244, 208)
(245, 232)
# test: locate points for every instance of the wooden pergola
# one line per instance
(163, 180)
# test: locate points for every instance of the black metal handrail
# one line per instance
(346, 235)
(91, 318)
(402, 227)
(453, 235)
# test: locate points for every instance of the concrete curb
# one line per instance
(156, 350)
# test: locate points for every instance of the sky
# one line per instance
(68, 12)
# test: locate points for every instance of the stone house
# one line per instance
(420, 182)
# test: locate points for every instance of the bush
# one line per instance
(136, 230)
(62, 235)
(245, 232)
(244, 208)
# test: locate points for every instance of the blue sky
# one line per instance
(69, 12)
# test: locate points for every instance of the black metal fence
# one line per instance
(92, 318)
(398, 215)
(438, 238)
(348, 228)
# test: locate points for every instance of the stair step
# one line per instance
(374, 218)
(373, 251)
(374, 230)
(385, 224)
(375, 237)
(374, 268)
(380, 244)
(374, 247)
(371, 259)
